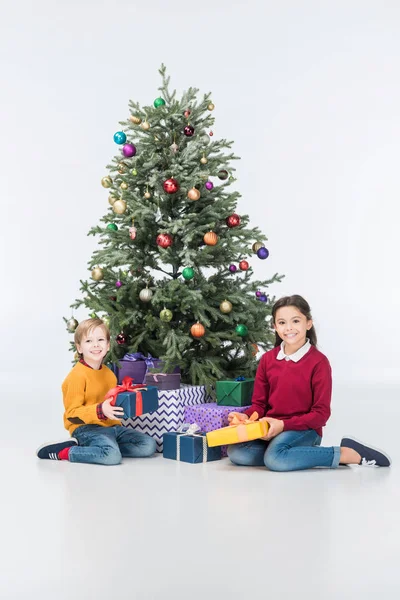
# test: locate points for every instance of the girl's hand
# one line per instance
(235, 416)
(275, 428)
(112, 412)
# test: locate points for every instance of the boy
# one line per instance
(99, 437)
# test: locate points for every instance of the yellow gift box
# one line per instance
(236, 434)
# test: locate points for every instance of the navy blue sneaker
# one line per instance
(51, 450)
(370, 457)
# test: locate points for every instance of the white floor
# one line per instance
(156, 528)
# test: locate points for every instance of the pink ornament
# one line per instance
(118, 284)
(258, 293)
(132, 232)
(209, 185)
(128, 150)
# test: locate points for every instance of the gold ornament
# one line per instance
(97, 274)
(122, 168)
(225, 307)
(106, 182)
(193, 194)
(211, 106)
(112, 199)
(145, 125)
(147, 195)
(72, 324)
(119, 207)
(146, 295)
(203, 160)
(76, 356)
(256, 246)
(135, 119)
(124, 185)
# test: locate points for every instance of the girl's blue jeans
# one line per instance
(288, 451)
(107, 445)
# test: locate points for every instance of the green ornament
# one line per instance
(112, 227)
(93, 316)
(134, 172)
(166, 315)
(241, 330)
(106, 320)
(188, 273)
(159, 102)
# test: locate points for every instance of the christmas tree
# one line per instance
(171, 277)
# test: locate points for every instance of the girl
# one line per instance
(292, 392)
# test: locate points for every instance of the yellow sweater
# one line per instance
(83, 389)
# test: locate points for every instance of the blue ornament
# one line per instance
(262, 253)
(263, 298)
(241, 378)
(120, 137)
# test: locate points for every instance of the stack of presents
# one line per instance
(186, 425)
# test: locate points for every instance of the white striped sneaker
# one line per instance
(51, 451)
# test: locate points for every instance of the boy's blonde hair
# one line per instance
(86, 326)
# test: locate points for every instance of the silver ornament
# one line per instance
(146, 295)
(174, 148)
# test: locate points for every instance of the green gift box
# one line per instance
(235, 392)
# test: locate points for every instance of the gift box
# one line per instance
(135, 399)
(236, 434)
(189, 445)
(163, 381)
(235, 392)
(170, 415)
(210, 417)
(136, 365)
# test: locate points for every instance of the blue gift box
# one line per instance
(138, 403)
(189, 448)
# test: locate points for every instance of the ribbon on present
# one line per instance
(242, 433)
(241, 378)
(127, 386)
(190, 429)
(137, 356)
(155, 375)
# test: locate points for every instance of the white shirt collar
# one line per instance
(296, 356)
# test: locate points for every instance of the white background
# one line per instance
(308, 90)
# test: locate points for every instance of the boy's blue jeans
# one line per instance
(288, 451)
(107, 445)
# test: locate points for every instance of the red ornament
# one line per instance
(165, 240)
(188, 131)
(121, 339)
(233, 220)
(211, 133)
(243, 265)
(171, 186)
(187, 113)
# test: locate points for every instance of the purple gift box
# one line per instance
(136, 365)
(164, 381)
(210, 417)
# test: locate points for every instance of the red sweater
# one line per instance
(299, 393)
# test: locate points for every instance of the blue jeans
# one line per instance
(288, 451)
(107, 445)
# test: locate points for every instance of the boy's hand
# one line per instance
(112, 412)
(275, 427)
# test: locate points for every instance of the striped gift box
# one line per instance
(170, 414)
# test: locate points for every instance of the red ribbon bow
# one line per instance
(127, 386)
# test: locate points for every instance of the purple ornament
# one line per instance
(188, 131)
(128, 150)
(209, 185)
(118, 284)
(263, 298)
(233, 268)
(258, 293)
(263, 253)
